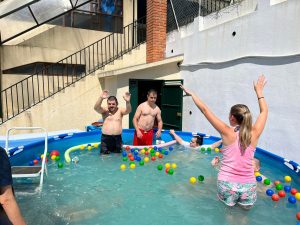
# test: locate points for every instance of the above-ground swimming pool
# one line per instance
(96, 191)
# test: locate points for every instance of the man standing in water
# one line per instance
(111, 139)
(144, 118)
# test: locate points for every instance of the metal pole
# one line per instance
(175, 16)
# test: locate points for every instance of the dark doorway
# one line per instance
(169, 99)
(141, 8)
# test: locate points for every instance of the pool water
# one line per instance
(96, 191)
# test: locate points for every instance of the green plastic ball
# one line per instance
(267, 181)
(279, 187)
(202, 149)
(201, 178)
(208, 148)
(131, 163)
(159, 167)
(171, 171)
(60, 165)
(57, 158)
(125, 158)
(141, 163)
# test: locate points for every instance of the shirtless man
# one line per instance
(111, 139)
(144, 118)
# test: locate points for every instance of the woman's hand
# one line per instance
(259, 85)
(187, 92)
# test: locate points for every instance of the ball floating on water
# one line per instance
(208, 149)
(31, 163)
(170, 148)
(53, 157)
(160, 156)
(146, 159)
(54, 152)
(141, 162)
(259, 178)
(297, 196)
(127, 148)
(173, 165)
(60, 165)
(123, 167)
(275, 197)
(217, 150)
(167, 165)
(89, 148)
(281, 194)
(153, 158)
(201, 178)
(298, 215)
(292, 200)
(143, 151)
(95, 145)
(81, 147)
(276, 182)
(132, 166)
(57, 158)
(287, 188)
(202, 149)
(256, 173)
(167, 170)
(294, 191)
(269, 192)
(193, 180)
(171, 171)
(279, 187)
(35, 161)
(267, 181)
(287, 179)
(159, 167)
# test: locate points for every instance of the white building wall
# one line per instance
(221, 67)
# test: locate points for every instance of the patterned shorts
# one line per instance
(231, 193)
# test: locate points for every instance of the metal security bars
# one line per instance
(55, 77)
(183, 12)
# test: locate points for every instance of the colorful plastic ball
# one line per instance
(166, 153)
(163, 151)
(57, 158)
(276, 182)
(170, 148)
(173, 165)
(269, 192)
(292, 200)
(279, 187)
(124, 153)
(294, 191)
(298, 215)
(167, 170)
(152, 151)
(48, 154)
(275, 197)
(281, 194)
(287, 188)
(131, 163)
(267, 181)
(132, 166)
(81, 147)
(193, 180)
(141, 162)
(146, 152)
(124, 159)
(160, 156)
(171, 171)
(167, 165)
(31, 163)
(153, 158)
(123, 167)
(155, 148)
(217, 150)
(287, 179)
(89, 148)
(256, 173)
(208, 149)
(157, 153)
(127, 148)
(142, 151)
(53, 157)
(60, 165)
(201, 178)
(54, 152)
(159, 167)
(136, 152)
(138, 158)
(259, 178)
(146, 159)
(297, 196)
(38, 158)
(35, 161)
(202, 149)
(96, 145)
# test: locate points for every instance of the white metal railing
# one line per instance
(43, 168)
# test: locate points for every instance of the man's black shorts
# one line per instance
(111, 143)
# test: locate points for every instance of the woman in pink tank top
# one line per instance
(236, 180)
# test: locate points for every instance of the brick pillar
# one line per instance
(156, 30)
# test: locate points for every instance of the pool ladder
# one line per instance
(28, 171)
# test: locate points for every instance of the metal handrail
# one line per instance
(44, 168)
(56, 77)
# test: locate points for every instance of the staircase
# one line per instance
(55, 77)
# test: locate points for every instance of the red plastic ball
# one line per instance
(276, 182)
(294, 191)
(127, 148)
(298, 215)
(54, 152)
(35, 161)
(131, 158)
(153, 158)
(167, 170)
(146, 153)
(275, 197)
(129, 155)
(281, 194)
(160, 156)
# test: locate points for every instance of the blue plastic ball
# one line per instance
(292, 199)
(136, 153)
(269, 192)
(171, 148)
(259, 178)
(166, 153)
(31, 163)
(132, 150)
(138, 158)
(159, 149)
(124, 153)
(38, 158)
(155, 148)
(287, 188)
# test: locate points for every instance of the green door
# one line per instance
(171, 104)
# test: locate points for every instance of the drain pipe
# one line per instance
(175, 16)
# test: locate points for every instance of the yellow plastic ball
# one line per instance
(257, 173)
(81, 147)
(95, 145)
(157, 153)
(217, 150)
(142, 151)
(146, 159)
(42, 156)
(174, 166)
(132, 166)
(297, 196)
(193, 180)
(287, 179)
(167, 165)
(123, 167)
(53, 157)
(90, 148)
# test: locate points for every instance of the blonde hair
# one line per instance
(243, 117)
